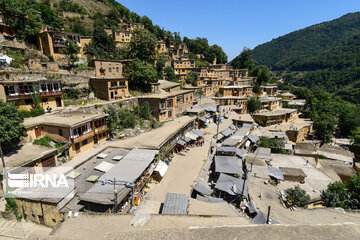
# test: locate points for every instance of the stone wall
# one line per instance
(68, 80)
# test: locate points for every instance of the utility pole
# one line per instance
(268, 216)
(244, 179)
(217, 123)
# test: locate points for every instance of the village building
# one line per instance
(109, 82)
(177, 51)
(30, 156)
(239, 101)
(79, 129)
(287, 96)
(167, 105)
(51, 42)
(206, 90)
(84, 40)
(161, 47)
(296, 130)
(240, 119)
(282, 115)
(182, 67)
(270, 103)
(21, 92)
(131, 26)
(121, 37)
(269, 90)
(236, 90)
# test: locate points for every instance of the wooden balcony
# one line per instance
(28, 95)
(83, 137)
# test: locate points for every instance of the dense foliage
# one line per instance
(339, 194)
(141, 75)
(307, 41)
(201, 46)
(253, 104)
(11, 127)
(298, 196)
(245, 60)
(276, 145)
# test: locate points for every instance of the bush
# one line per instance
(127, 119)
(276, 145)
(32, 113)
(44, 141)
(298, 196)
(12, 206)
(145, 111)
(71, 93)
(59, 144)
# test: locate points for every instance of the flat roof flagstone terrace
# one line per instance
(65, 119)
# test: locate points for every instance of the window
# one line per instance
(56, 87)
(110, 69)
(60, 132)
(9, 90)
(117, 69)
(50, 87)
(54, 221)
(84, 142)
(43, 87)
(113, 84)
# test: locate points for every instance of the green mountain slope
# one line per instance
(336, 69)
(282, 51)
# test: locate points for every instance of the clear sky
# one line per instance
(235, 24)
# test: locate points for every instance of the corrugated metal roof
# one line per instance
(226, 183)
(209, 199)
(198, 132)
(227, 164)
(181, 142)
(175, 204)
(276, 173)
(263, 153)
(253, 138)
(227, 132)
(240, 152)
(203, 190)
(226, 149)
(191, 135)
(128, 169)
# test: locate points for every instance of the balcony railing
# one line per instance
(83, 137)
(28, 95)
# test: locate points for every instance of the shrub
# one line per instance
(44, 141)
(32, 113)
(127, 119)
(71, 93)
(298, 196)
(59, 144)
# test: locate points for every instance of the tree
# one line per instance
(335, 195)
(145, 111)
(72, 50)
(324, 126)
(143, 45)
(102, 45)
(160, 64)
(253, 104)
(298, 196)
(140, 76)
(276, 145)
(11, 128)
(127, 118)
(244, 60)
(170, 75)
(112, 121)
(22, 17)
(191, 77)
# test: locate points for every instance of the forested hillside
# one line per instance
(279, 52)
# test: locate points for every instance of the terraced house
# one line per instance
(236, 90)
(165, 106)
(109, 82)
(80, 130)
(20, 92)
(182, 67)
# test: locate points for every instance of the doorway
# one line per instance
(58, 102)
(77, 147)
